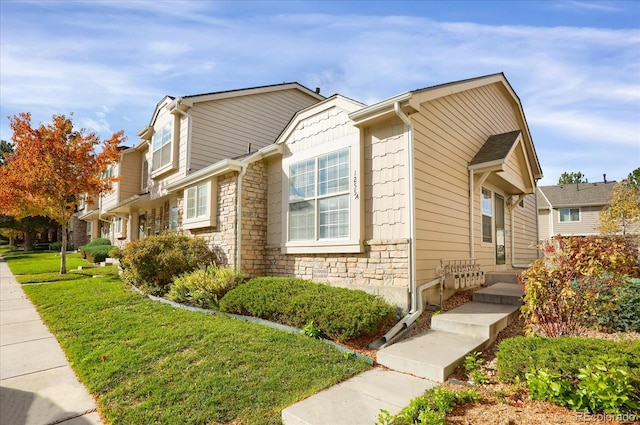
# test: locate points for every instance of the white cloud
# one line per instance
(577, 85)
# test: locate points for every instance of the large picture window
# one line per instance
(319, 197)
(568, 215)
(487, 216)
(161, 146)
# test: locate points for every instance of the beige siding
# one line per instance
(224, 128)
(544, 228)
(130, 171)
(331, 125)
(385, 181)
(448, 133)
(588, 224)
(524, 231)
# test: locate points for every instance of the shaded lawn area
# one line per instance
(150, 363)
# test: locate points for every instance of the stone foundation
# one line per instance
(382, 269)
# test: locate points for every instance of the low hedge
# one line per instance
(563, 355)
(96, 243)
(340, 313)
(97, 253)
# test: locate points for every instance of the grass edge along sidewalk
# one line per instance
(147, 362)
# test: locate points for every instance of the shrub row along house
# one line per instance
(282, 181)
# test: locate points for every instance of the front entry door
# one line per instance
(500, 231)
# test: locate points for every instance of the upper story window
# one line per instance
(108, 173)
(145, 175)
(487, 214)
(319, 202)
(569, 214)
(161, 147)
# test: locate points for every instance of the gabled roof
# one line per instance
(410, 102)
(575, 195)
(189, 100)
(335, 101)
(205, 97)
(496, 148)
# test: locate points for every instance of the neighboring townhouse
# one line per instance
(572, 209)
(374, 197)
(185, 135)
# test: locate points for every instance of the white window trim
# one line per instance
(208, 219)
(351, 244)
(174, 123)
(119, 227)
(491, 197)
(570, 221)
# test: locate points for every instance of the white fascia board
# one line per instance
(208, 172)
(377, 109)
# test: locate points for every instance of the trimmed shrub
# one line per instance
(564, 355)
(573, 285)
(57, 246)
(97, 253)
(153, 262)
(204, 287)
(84, 249)
(340, 313)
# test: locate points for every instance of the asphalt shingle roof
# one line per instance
(576, 195)
(496, 147)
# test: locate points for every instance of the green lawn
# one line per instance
(22, 263)
(150, 363)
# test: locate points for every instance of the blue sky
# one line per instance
(574, 64)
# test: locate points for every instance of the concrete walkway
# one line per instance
(37, 384)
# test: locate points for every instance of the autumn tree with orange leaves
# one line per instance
(51, 168)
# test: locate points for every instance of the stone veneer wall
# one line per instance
(254, 220)
(222, 238)
(382, 268)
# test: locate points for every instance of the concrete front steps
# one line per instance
(471, 327)
(416, 364)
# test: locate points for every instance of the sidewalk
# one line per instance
(37, 384)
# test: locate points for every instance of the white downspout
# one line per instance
(412, 212)
(176, 105)
(416, 292)
(472, 248)
(243, 171)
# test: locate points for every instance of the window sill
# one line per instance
(198, 223)
(160, 172)
(323, 247)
